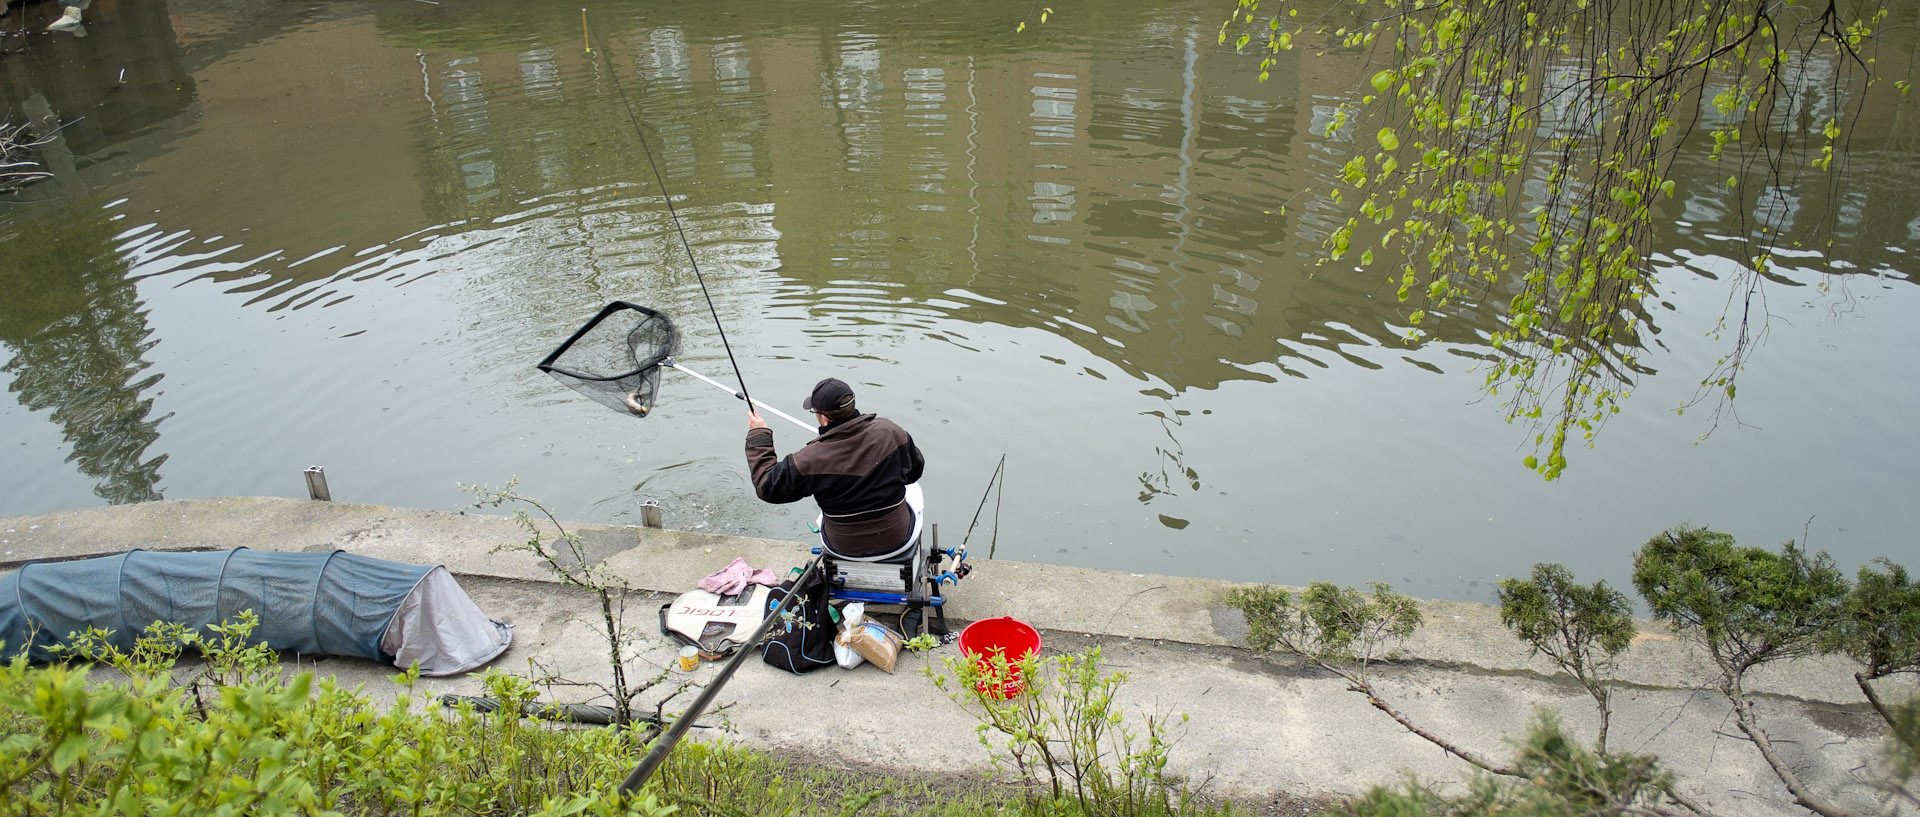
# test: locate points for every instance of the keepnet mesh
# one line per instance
(313, 603)
(615, 359)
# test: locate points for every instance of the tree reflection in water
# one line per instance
(77, 330)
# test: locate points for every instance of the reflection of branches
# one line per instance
(18, 167)
(1172, 461)
(79, 336)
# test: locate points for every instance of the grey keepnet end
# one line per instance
(310, 603)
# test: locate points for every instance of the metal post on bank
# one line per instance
(317, 484)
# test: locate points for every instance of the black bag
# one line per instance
(801, 640)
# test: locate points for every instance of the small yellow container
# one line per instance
(689, 658)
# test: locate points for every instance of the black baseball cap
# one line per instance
(829, 394)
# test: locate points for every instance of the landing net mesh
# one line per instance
(615, 358)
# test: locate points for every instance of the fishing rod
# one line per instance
(673, 215)
(663, 745)
(983, 504)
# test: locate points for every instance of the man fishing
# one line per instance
(858, 469)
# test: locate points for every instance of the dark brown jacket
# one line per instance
(856, 469)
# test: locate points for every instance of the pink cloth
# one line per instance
(735, 577)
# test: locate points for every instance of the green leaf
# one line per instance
(71, 749)
(1388, 141)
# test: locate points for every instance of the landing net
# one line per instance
(615, 358)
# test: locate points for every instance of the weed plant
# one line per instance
(1055, 723)
(563, 555)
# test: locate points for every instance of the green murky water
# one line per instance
(341, 234)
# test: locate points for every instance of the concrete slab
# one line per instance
(1258, 728)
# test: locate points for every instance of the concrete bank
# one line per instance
(1261, 729)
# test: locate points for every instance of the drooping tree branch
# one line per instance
(1527, 146)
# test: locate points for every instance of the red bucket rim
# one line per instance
(1025, 632)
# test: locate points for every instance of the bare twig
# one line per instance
(564, 556)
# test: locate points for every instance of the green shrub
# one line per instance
(1064, 736)
(1558, 777)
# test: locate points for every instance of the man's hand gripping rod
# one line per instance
(811, 428)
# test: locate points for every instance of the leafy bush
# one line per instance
(1579, 628)
(1564, 779)
(1903, 753)
(1329, 625)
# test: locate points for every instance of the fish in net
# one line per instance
(616, 357)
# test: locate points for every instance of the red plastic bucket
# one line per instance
(1006, 636)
